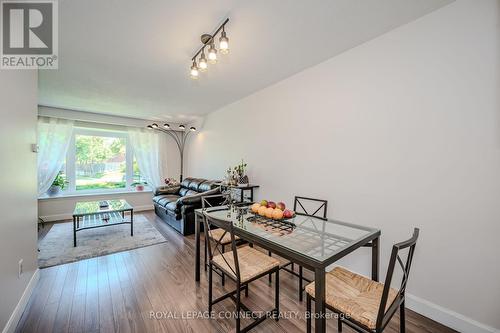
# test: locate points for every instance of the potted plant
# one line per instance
(240, 171)
(57, 185)
(139, 186)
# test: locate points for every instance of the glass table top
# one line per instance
(309, 236)
(92, 207)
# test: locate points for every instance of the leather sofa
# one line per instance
(176, 204)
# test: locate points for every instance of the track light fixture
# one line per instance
(194, 70)
(182, 127)
(166, 126)
(208, 41)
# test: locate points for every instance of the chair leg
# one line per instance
(339, 324)
(308, 314)
(270, 274)
(222, 276)
(293, 266)
(277, 295)
(238, 305)
(246, 289)
(402, 324)
(205, 262)
(300, 284)
(209, 288)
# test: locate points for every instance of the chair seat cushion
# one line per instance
(354, 295)
(216, 234)
(165, 199)
(252, 263)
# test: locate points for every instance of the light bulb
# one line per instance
(154, 125)
(193, 129)
(224, 43)
(212, 54)
(194, 71)
(182, 127)
(166, 126)
(202, 64)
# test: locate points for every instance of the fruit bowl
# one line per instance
(272, 210)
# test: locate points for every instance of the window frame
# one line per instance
(71, 160)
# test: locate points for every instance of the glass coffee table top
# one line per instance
(92, 207)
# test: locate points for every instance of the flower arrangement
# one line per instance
(237, 175)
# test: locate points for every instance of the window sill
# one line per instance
(91, 194)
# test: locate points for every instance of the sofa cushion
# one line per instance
(172, 206)
(207, 185)
(186, 181)
(195, 183)
(165, 199)
(184, 191)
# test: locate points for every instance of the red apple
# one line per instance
(281, 205)
(271, 204)
(288, 213)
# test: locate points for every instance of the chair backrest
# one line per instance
(321, 209)
(383, 316)
(214, 245)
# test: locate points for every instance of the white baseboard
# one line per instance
(69, 216)
(10, 327)
(446, 316)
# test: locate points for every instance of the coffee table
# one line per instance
(88, 215)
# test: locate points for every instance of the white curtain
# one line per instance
(54, 136)
(146, 146)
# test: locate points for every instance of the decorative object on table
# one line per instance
(57, 185)
(171, 182)
(208, 41)
(240, 173)
(272, 210)
(179, 135)
(139, 186)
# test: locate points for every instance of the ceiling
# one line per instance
(131, 58)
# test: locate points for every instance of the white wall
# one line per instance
(18, 220)
(399, 132)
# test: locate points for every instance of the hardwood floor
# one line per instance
(121, 291)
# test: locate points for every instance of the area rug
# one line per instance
(57, 246)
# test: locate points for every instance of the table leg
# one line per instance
(131, 223)
(375, 258)
(251, 194)
(319, 304)
(197, 248)
(74, 231)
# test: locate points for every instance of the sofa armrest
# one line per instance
(167, 189)
(195, 199)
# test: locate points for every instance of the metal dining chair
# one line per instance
(361, 303)
(242, 265)
(320, 208)
(209, 201)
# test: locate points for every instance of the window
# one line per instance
(100, 160)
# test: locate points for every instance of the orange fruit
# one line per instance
(262, 210)
(269, 212)
(277, 214)
(255, 207)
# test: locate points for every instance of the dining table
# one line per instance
(311, 242)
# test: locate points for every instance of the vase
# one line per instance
(54, 190)
(243, 180)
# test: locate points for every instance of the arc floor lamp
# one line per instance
(179, 135)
